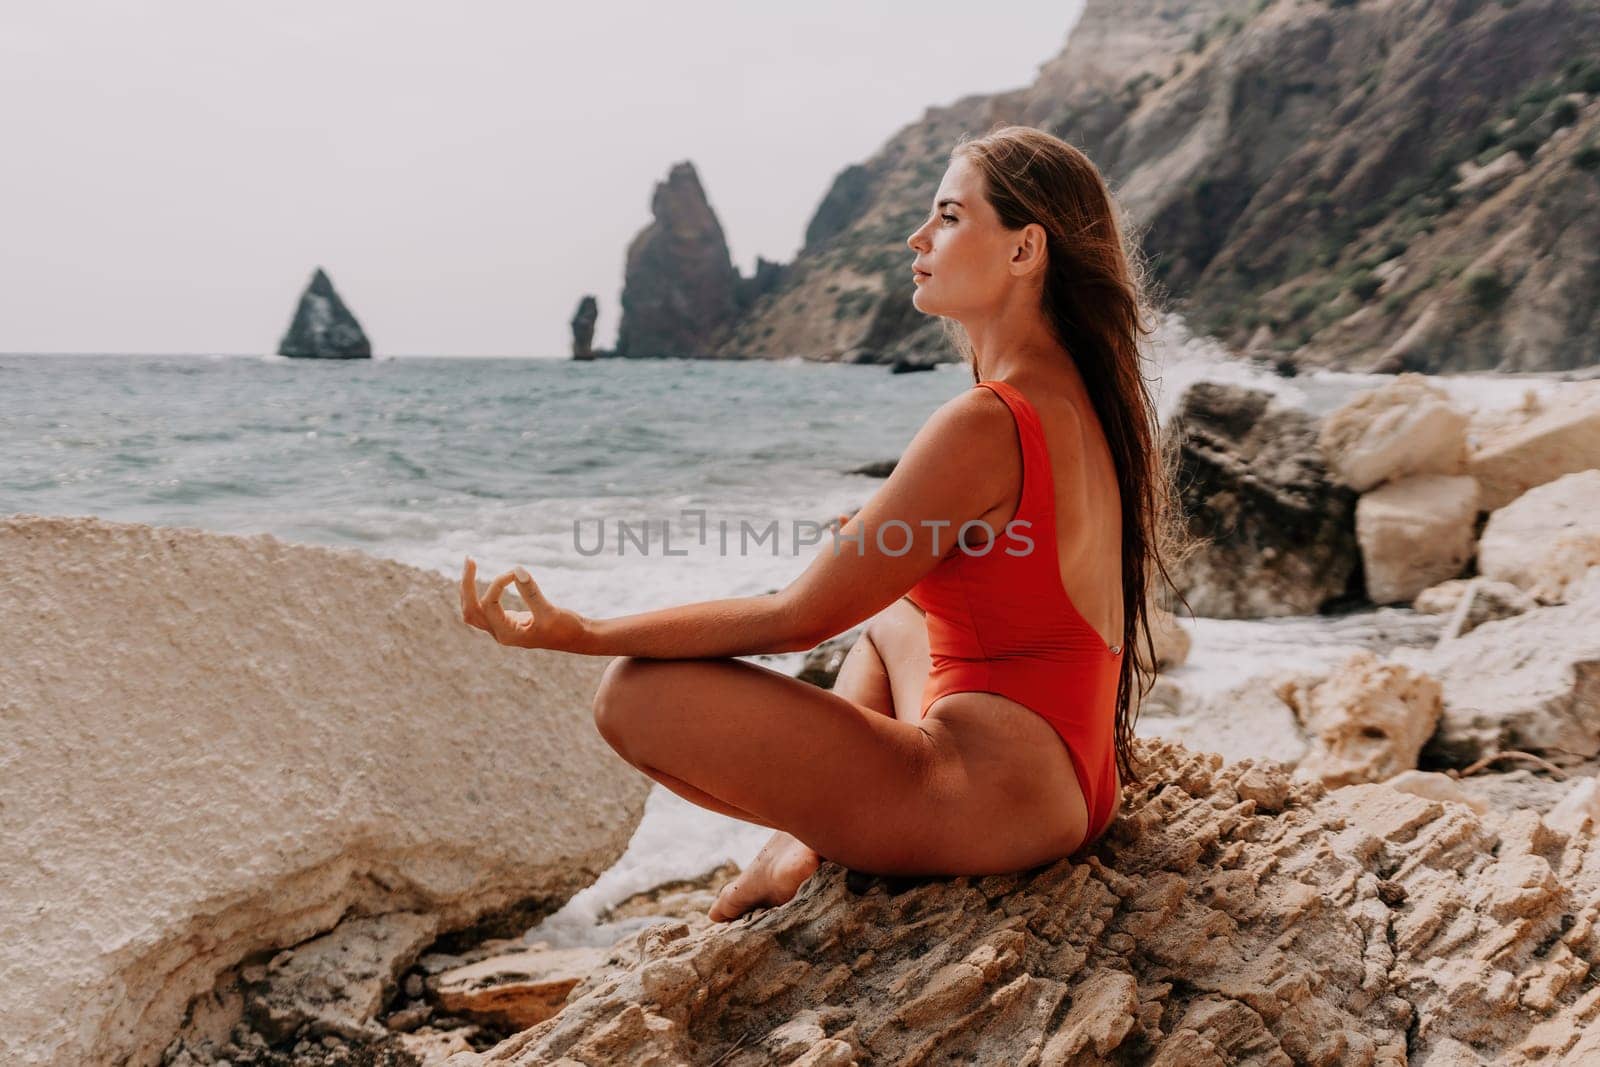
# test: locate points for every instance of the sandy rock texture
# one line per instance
(1368, 719)
(1404, 427)
(1486, 600)
(1232, 915)
(1415, 532)
(1530, 682)
(1546, 539)
(1511, 455)
(215, 747)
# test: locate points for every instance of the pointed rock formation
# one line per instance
(583, 321)
(323, 328)
(680, 286)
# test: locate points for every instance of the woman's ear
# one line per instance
(1028, 255)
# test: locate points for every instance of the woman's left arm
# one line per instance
(944, 480)
(734, 626)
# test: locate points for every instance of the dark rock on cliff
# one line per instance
(768, 277)
(583, 321)
(323, 328)
(1281, 533)
(679, 286)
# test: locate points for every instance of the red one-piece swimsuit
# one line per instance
(1001, 622)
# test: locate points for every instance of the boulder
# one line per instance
(1249, 719)
(1488, 600)
(1278, 535)
(1367, 720)
(1578, 812)
(1515, 452)
(1404, 427)
(337, 983)
(1230, 915)
(1529, 683)
(1546, 539)
(218, 747)
(1415, 532)
(323, 328)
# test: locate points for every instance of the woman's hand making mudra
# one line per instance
(542, 626)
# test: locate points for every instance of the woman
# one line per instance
(992, 734)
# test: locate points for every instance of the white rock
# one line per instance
(217, 745)
(1407, 426)
(1499, 600)
(1514, 452)
(1415, 532)
(1367, 720)
(1530, 683)
(1546, 539)
(1578, 811)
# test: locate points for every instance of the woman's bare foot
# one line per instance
(772, 878)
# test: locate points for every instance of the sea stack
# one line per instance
(323, 327)
(680, 286)
(583, 321)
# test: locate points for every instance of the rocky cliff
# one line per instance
(1410, 184)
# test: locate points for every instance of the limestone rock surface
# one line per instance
(1232, 915)
(1545, 540)
(1368, 720)
(214, 747)
(1511, 456)
(1414, 532)
(1407, 426)
(1529, 683)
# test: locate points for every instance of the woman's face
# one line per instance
(963, 249)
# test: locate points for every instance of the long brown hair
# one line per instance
(1095, 300)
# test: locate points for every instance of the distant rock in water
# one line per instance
(323, 327)
(881, 468)
(583, 321)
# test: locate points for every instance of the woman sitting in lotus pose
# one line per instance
(981, 724)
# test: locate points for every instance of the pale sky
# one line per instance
(464, 171)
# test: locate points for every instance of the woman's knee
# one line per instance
(617, 695)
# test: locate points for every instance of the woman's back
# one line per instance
(1066, 497)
